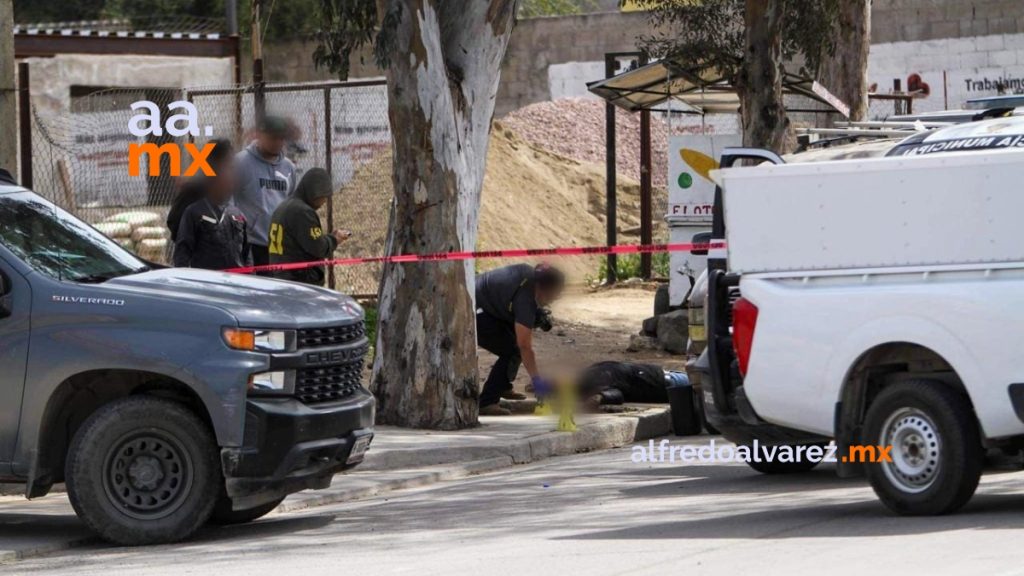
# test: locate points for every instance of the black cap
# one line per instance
(274, 125)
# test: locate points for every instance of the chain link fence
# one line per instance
(81, 159)
(881, 107)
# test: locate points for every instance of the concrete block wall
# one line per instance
(917, 20)
(954, 69)
(535, 46)
(52, 78)
(541, 43)
(554, 57)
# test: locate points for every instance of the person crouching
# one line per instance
(211, 231)
(296, 234)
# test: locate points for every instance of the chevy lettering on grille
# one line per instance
(334, 356)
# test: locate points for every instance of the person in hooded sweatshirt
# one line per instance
(296, 234)
(266, 179)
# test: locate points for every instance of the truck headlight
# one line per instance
(268, 382)
(259, 340)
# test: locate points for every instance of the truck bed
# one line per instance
(957, 208)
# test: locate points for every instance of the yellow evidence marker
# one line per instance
(566, 406)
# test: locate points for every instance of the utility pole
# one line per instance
(646, 214)
(255, 32)
(231, 16)
(8, 91)
(611, 185)
(257, 60)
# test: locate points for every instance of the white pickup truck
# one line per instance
(884, 306)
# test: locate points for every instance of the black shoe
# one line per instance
(494, 410)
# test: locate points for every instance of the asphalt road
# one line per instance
(598, 514)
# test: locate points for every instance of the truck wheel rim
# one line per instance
(148, 475)
(916, 447)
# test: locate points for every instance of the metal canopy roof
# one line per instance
(707, 92)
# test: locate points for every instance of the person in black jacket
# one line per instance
(221, 160)
(508, 300)
(211, 231)
(296, 234)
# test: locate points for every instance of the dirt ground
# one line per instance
(592, 326)
(531, 198)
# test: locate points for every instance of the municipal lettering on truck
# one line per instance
(166, 398)
(883, 310)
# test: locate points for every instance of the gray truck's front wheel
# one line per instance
(936, 458)
(143, 470)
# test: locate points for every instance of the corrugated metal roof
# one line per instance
(704, 92)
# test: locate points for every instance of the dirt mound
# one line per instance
(546, 124)
(532, 198)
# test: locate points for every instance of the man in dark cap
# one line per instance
(266, 178)
(296, 234)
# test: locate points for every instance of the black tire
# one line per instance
(698, 400)
(662, 301)
(937, 455)
(143, 470)
(776, 467)
(683, 408)
(223, 515)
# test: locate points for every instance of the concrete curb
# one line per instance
(610, 432)
(12, 556)
(445, 464)
(367, 489)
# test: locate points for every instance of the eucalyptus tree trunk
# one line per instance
(444, 66)
(8, 90)
(759, 84)
(845, 74)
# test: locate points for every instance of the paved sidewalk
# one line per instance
(398, 459)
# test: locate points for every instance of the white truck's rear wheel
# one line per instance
(936, 457)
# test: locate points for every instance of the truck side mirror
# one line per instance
(6, 300)
(703, 239)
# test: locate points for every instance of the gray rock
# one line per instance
(650, 326)
(673, 331)
(640, 343)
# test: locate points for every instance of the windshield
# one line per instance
(58, 244)
(995, 102)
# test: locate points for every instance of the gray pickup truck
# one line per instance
(166, 398)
